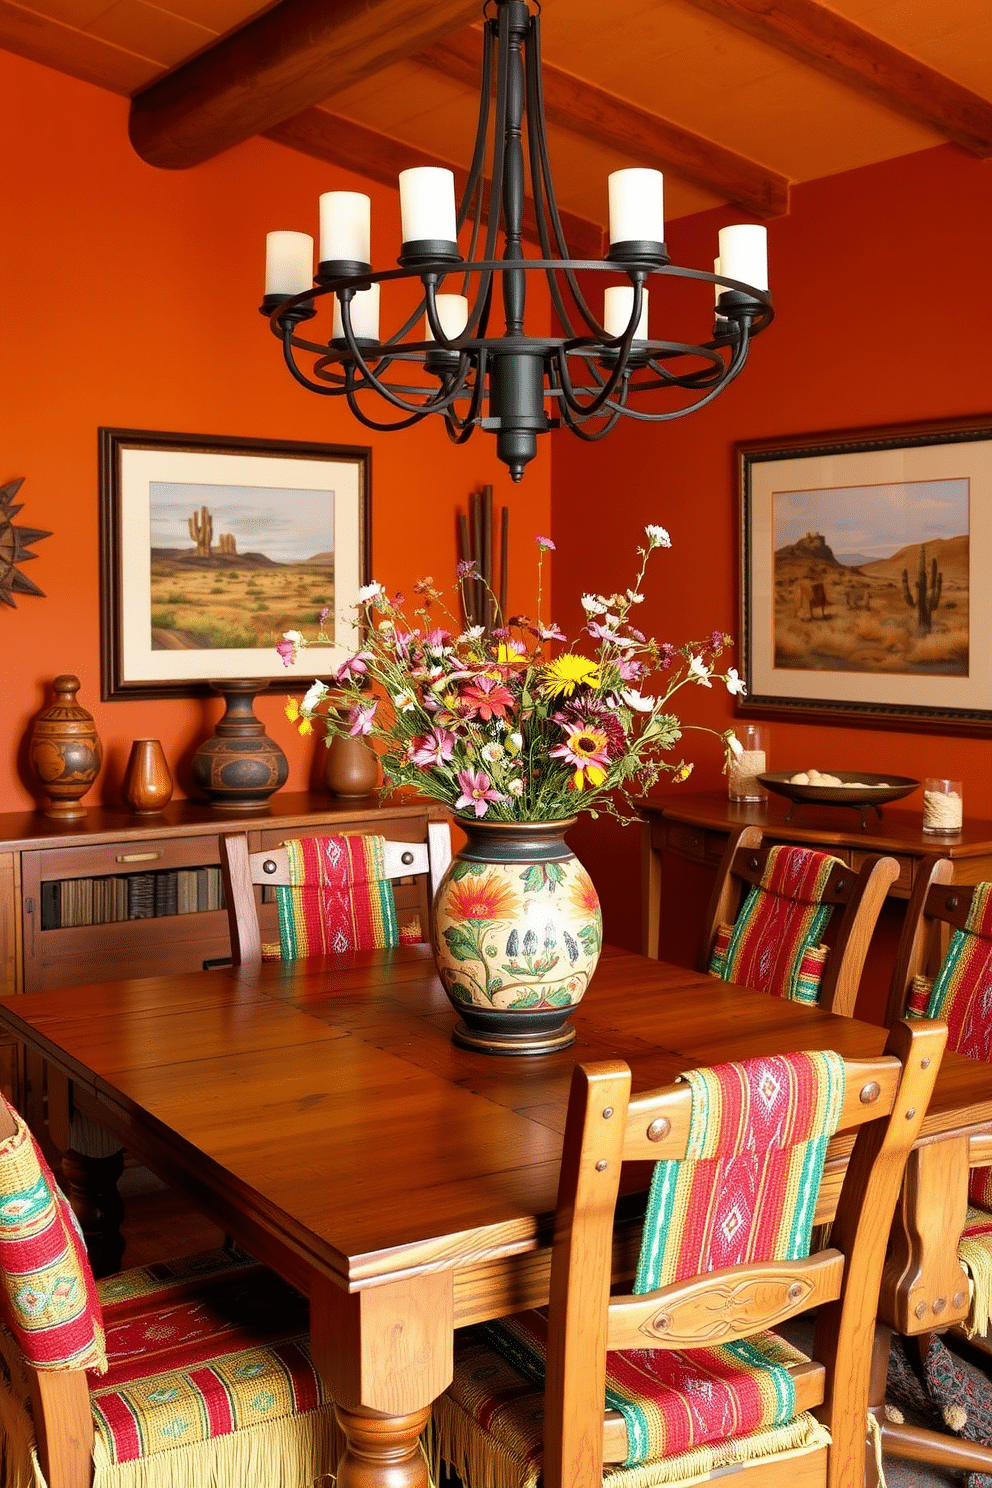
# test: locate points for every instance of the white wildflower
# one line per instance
(404, 702)
(700, 672)
(733, 744)
(516, 787)
(294, 636)
(492, 753)
(635, 596)
(472, 634)
(657, 536)
(313, 697)
(595, 604)
(367, 592)
(736, 686)
(636, 700)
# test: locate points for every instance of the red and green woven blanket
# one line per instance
(747, 1188)
(338, 899)
(773, 945)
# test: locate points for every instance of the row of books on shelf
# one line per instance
(69, 902)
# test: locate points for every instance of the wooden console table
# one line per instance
(696, 827)
(44, 945)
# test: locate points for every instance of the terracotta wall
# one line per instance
(876, 280)
(130, 299)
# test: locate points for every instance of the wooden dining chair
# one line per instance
(770, 909)
(350, 892)
(944, 969)
(189, 1372)
(692, 1380)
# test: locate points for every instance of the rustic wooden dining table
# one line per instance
(320, 1112)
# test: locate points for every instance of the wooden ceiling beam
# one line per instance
(380, 157)
(595, 114)
(828, 41)
(290, 57)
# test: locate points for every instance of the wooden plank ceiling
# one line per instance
(733, 99)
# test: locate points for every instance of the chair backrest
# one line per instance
(883, 1099)
(422, 862)
(776, 950)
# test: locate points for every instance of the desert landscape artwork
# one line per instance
(235, 566)
(873, 578)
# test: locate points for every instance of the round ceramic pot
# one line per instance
(516, 932)
(64, 751)
(351, 769)
(240, 767)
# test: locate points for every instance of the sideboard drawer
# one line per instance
(688, 842)
(906, 865)
(146, 855)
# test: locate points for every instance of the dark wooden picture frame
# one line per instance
(909, 665)
(268, 491)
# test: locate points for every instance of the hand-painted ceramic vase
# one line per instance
(240, 767)
(64, 751)
(516, 933)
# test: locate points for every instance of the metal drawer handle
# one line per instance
(137, 857)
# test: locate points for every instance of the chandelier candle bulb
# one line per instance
(943, 805)
(744, 254)
(364, 315)
(288, 263)
(345, 227)
(637, 206)
(452, 312)
(618, 305)
(427, 204)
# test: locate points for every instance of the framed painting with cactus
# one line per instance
(212, 547)
(865, 558)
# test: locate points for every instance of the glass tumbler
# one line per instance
(943, 805)
(744, 768)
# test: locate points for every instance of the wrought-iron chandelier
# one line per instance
(513, 384)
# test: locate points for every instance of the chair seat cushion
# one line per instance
(687, 1411)
(198, 1349)
(975, 1251)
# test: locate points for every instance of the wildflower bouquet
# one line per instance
(515, 724)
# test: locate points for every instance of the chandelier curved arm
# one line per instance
(622, 352)
(474, 184)
(436, 404)
(301, 377)
(734, 367)
(377, 424)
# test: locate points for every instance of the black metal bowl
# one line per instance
(858, 788)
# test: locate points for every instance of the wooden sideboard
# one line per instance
(112, 848)
(696, 828)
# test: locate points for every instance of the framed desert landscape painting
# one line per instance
(212, 546)
(865, 562)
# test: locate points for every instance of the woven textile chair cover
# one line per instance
(339, 897)
(198, 1371)
(746, 1191)
(774, 944)
(961, 995)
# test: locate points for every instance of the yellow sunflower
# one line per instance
(567, 672)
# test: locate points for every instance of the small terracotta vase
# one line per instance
(147, 779)
(64, 751)
(516, 932)
(351, 768)
(240, 767)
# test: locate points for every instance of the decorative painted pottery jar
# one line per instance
(64, 751)
(516, 933)
(240, 767)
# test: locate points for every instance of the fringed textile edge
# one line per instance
(293, 1452)
(977, 1257)
(453, 1437)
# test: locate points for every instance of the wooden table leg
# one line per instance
(90, 1177)
(924, 1284)
(385, 1353)
(650, 892)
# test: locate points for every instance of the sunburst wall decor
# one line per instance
(14, 546)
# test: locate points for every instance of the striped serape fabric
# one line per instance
(961, 995)
(338, 898)
(747, 1188)
(687, 1412)
(49, 1298)
(773, 945)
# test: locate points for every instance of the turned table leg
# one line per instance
(91, 1186)
(382, 1449)
(385, 1353)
